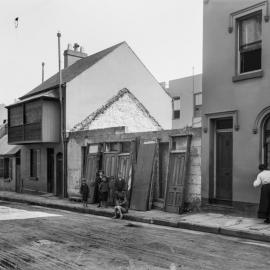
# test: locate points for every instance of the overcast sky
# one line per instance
(165, 34)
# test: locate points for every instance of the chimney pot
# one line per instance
(76, 46)
(73, 55)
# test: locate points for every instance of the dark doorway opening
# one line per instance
(59, 174)
(267, 142)
(18, 173)
(50, 170)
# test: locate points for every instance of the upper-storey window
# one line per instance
(249, 42)
(176, 107)
(16, 116)
(197, 104)
(32, 112)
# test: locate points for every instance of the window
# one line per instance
(33, 162)
(112, 147)
(32, 112)
(5, 168)
(16, 116)
(125, 147)
(197, 105)
(226, 123)
(249, 42)
(176, 107)
(179, 143)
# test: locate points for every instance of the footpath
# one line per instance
(249, 228)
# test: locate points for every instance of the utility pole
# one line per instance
(62, 124)
(43, 64)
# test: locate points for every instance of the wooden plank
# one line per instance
(143, 174)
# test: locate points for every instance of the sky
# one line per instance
(165, 34)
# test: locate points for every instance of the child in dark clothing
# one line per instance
(103, 191)
(84, 191)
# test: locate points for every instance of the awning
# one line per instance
(6, 149)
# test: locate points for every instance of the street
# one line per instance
(33, 237)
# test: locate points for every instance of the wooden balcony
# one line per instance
(28, 132)
(35, 121)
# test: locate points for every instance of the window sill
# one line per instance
(7, 180)
(33, 178)
(247, 76)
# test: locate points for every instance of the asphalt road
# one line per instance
(34, 237)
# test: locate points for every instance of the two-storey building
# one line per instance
(236, 100)
(87, 83)
(186, 94)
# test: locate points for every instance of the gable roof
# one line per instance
(93, 116)
(71, 71)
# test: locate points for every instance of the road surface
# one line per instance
(33, 237)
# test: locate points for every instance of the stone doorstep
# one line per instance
(186, 221)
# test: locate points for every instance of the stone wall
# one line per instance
(81, 138)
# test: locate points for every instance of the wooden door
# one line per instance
(59, 174)
(110, 164)
(124, 166)
(176, 181)
(163, 167)
(143, 175)
(91, 171)
(224, 156)
(50, 169)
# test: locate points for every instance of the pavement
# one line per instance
(224, 224)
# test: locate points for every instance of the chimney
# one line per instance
(73, 54)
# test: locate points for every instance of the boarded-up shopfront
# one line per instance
(161, 169)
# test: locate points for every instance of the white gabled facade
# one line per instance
(119, 69)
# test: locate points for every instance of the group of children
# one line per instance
(102, 189)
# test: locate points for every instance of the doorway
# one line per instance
(18, 173)
(266, 142)
(50, 170)
(59, 174)
(224, 161)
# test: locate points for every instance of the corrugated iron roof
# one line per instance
(6, 149)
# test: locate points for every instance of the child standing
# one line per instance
(103, 191)
(84, 191)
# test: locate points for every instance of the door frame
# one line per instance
(217, 131)
(187, 153)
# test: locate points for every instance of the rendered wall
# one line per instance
(185, 89)
(39, 184)
(220, 94)
(120, 69)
